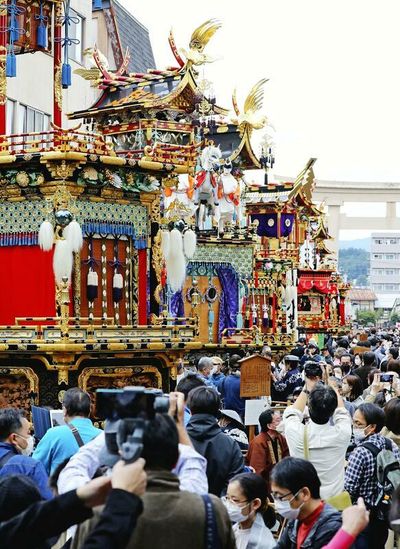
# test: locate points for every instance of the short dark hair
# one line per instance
(356, 386)
(394, 366)
(369, 358)
(373, 415)
(322, 403)
(189, 382)
(394, 351)
(204, 400)
(76, 402)
(294, 474)
(253, 486)
(161, 443)
(265, 418)
(10, 422)
(392, 415)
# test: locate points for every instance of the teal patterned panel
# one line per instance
(27, 216)
(240, 257)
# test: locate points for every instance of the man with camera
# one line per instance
(171, 517)
(291, 379)
(323, 444)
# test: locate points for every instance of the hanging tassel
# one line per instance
(62, 260)
(92, 286)
(118, 284)
(73, 234)
(66, 75)
(46, 236)
(41, 36)
(97, 4)
(165, 241)
(11, 65)
(189, 243)
(175, 262)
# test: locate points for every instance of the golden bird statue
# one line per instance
(251, 118)
(198, 41)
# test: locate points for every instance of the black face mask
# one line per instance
(346, 368)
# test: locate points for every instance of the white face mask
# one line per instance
(285, 510)
(357, 361)
(29, 447)
(359, 435)
(234, 511)
(214, 370)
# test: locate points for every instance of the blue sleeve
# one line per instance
(42, 480)
(43, 450)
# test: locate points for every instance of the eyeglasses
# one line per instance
(359, 425)
(280, 497)
(226, 498)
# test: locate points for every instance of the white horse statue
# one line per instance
(206, 186)
(229, 190)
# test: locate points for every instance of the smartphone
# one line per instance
(387, 378)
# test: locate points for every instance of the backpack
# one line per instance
(387, 470)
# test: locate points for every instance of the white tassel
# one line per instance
(175, 262)
(73, 234)
(118, 281)
(62, 261)
(92, 278)
(189, 243)
(165, 243)
(46, 236)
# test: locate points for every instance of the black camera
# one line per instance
(126, 412)
(312, 369)
(387, 378)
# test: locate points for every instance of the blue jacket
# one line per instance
(216, 379)
(230, 393)
(59, 444)
(25, 465)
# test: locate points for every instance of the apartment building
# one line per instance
(112, 28)
(385, 267)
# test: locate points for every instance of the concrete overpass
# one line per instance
(336, 193)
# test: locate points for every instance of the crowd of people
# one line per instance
(322, 470)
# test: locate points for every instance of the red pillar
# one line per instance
(3, 85)
(142, 287)
(57, 89)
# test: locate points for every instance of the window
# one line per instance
(378, 241)
(389, 257)
(377, 271)
(377, 256)
(389, 271)
(377, 286)
(393, 241)
(31, 120)
(391, 287)
(75, 31)
(10, 112)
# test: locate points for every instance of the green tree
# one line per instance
(354, 262)
(369, 317)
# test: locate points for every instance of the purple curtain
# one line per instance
(267, 224)
(177, 308)
(229, 302)
(287, 221)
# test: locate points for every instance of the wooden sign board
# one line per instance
(255, 376)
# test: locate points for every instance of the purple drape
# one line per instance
(229, 302)
(268, 224)
(287, 221)
(177, 307)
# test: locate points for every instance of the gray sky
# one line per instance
(334, 89)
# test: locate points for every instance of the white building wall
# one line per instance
(33, 85)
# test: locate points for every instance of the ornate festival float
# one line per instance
(132, 239)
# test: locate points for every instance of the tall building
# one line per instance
(114, 29)
(385, 267)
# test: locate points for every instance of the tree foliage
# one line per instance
(354, 262)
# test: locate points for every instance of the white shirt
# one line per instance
(327, 446)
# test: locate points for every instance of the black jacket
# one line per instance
(321, 533)
(33, 527)
(224, 457)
